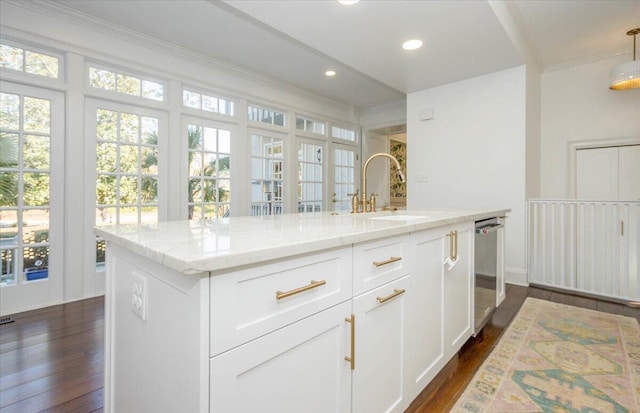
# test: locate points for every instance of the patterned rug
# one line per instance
(558, 358)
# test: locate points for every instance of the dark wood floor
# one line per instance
(51, 360)
(443, 391)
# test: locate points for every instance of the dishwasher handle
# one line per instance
(488, 228)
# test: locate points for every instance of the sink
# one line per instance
(399, 217)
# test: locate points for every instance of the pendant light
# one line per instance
(626, 75)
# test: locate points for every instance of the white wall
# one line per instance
(577, 105)
(473, 152)
(80, 41)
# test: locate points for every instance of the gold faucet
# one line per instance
(370, 206)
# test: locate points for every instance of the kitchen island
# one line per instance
(286, 313)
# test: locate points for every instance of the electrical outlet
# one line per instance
(139, 296)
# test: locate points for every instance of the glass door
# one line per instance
(31, 197)
(128, 185)
(345, 174)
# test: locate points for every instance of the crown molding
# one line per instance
(53, 9)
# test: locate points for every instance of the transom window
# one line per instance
(207, 103)
(310, 125)
(29, 61)
(113, 81)
(266, 115)
(342, 133)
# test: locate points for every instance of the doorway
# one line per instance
(382, 178)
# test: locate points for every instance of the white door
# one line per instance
(299, 368)
(127, 184)
(380, 348)
(31, 197)
(344, 176)
(211, 149)
(629, 173)
(597, 174)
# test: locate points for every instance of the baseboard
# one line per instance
(516, 276)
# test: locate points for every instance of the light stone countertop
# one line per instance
(195, 247)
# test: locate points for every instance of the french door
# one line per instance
(344, 175)
(31, 197)
(127, 184)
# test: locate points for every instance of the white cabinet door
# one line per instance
(299, 368)
(629, 172)
(597, 174)
(380, 316)
(424, 336)
(608, 174)
(458, 293)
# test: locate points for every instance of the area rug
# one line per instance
(558, 358)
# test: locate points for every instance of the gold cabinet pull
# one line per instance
(391, 296)
(352, 359)
(453, 244)
(280, 295)
(385, 262)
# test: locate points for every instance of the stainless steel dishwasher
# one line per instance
(486, 271)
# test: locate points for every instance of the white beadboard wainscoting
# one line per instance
(585, 246)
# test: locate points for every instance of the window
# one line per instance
(126, 168)
(269, 116)
(267, 174)
(344, 177)
(309, 177)
(25, 139)
(309, 125)
(207, 103)
(29, 61)
(129, 85)
(209, 182)
(344, 134)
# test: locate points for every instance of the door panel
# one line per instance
(597, 174)
(31, 191)
(629, 173)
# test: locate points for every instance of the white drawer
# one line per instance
(378, 262)
(245, 304)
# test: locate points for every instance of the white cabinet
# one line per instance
(425, 325)
(299, 368)
(380, 279)
(458, 289)
(284, 335)
(440, 304)
(380, 330)
(249, 303)
(608, 174)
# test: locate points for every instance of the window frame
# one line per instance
(8, 74)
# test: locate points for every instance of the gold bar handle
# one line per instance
(280, 295)
(352, 359)
(385, 262)
(453, 244)
(391, 296)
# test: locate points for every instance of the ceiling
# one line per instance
(296, 41)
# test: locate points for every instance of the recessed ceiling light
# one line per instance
(412, 44)
(348, 2)
(330, 73)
